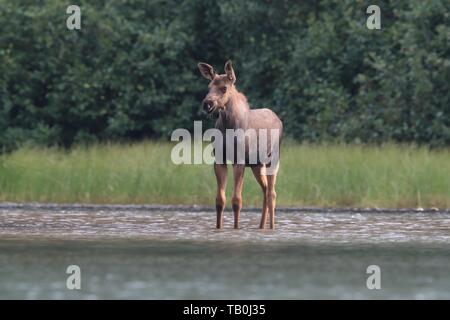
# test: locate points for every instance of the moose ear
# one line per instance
(206, 70)
(230, 72)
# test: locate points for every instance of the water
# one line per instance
(175, 253)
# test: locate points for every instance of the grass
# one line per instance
(310, 175)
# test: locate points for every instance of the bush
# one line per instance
(130, 72)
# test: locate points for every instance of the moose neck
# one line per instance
(235, 115)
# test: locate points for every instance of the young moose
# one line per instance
(235, 113)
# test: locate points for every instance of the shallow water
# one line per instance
(171, 254)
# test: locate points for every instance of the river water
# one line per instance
(127, 252)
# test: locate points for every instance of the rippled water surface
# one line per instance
(159, 253)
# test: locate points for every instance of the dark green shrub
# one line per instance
(130, 72)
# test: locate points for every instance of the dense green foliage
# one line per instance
(130, 72)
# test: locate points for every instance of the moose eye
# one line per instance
(223, 89)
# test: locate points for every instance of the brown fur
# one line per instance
(235, 113)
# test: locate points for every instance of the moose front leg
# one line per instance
(236, 201)
(221, 176)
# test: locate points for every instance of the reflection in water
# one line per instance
(147, 254)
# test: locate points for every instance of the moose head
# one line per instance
(221, 86)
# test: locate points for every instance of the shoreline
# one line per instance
(201, 208)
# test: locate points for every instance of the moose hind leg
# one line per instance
(262, 181)
(221, 176)
(271, 198)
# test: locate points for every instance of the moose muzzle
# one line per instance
(208, 105)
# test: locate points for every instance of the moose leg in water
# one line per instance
(262, 180)
(236, 201)
(271, 198)
(221, 176)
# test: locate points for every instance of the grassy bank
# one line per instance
(387, 176)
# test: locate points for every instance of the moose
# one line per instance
(235, 113)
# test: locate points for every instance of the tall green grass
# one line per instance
(311, 175)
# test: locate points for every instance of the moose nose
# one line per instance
(207, 105)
